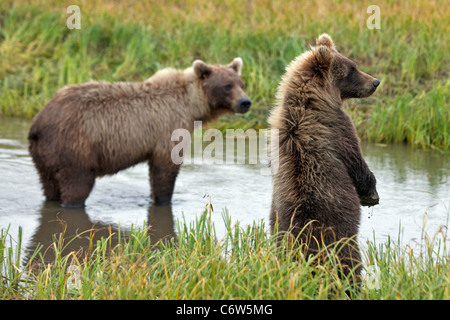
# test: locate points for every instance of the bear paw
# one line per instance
(370, 200)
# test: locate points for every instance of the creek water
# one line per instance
(413, 186)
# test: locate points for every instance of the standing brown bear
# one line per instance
(99, 128)
(322, 177)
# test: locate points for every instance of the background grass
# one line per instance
(128, 41)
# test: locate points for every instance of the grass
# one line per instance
(244, 264)
(129, 41)
(418, 120)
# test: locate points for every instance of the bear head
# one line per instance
(326, 64)
(223, 85)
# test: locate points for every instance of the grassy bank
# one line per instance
(244, 264)
(129, 41)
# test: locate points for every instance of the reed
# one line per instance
(245, 263)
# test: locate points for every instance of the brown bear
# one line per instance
(321, 177)
(99, 128)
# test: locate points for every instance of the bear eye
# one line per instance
(351, 71)
(228, 87)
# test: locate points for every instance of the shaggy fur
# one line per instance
(99, 128)
(322, 176)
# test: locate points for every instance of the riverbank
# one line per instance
(197, 265)
(130, 41)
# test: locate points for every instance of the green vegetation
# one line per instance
(244, 264)
(129, 41)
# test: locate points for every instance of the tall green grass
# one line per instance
(128, 41)
(245, 263)
(421, 120)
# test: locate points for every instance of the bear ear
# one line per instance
(236, 65)
(201, 69)
(320, 63)
(325, 40)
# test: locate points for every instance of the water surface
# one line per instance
(413, 185)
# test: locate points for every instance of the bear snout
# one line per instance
(376, 83)
(244, 105)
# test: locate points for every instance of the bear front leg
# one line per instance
(370, 200)
(350, 153)
(163, 173)
(363, 180)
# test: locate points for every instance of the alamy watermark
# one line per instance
(374, 20)
(236, 147)
(74, 20)
(73, 274)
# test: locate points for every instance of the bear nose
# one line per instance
(376, 83)
(244, 104)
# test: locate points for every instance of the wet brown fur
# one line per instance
(321, 174)
(99, 128)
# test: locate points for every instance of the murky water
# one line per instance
(413, 185)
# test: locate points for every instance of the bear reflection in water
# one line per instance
(72, 230)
